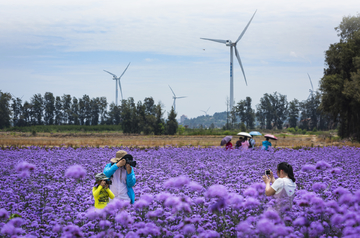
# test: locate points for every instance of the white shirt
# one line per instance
(280, 183)
(118, 186)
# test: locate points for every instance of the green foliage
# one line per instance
(341, 82)
(245, 112)
(296, 130)
(5, 112)
(181, 130)
(242, 127)
(65, 128)
(171, 123)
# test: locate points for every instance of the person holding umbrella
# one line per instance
(266, 143)
(227, 142)
(252, 140)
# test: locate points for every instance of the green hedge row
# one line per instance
(65, 128)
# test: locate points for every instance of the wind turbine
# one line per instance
(312, 88)
(232, 47)
(205, 111)
(174, 97)
(117, 79)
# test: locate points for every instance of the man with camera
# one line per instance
(122, 176)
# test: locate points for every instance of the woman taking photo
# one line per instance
(283, 188)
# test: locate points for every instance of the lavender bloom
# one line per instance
(251, 192)
(341, 191)
(188, 229)
(75, 172)
(162, 196)
(132, 234)
(317, 187)
(308, 168)
(216, 191)
(195, 187)
(72, 231)
(265, 226)
(177, 182)
(24, 169)
(336, 219)
(322, 165)
(124, 219)
(4, 214)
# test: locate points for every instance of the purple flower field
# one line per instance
(180, 192)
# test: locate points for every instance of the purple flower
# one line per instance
(251, 202)
(336, 219)
(341, 191)
(188, 229)
(216, 191)
(75, 172)
(104, 224)
(132, 234)
(209, 234)
(177, 182)
(322, 165)
(251, 192)
(4, 214)
(195, 187)
(300, 221)
(162, 196)
(141, 203)
(308, 168)
(219, 205)
(72, 231)
(346, 198)
(124, 219)
(265, 226)
(317, 187)
(24, 169)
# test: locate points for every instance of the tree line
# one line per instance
(146, 116)
(275, 112)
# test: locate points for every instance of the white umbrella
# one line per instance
(244, 134)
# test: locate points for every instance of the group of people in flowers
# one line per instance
(243, 144)
(123, 179)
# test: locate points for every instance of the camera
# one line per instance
(108, 182)
(267, 172)
(129, 160)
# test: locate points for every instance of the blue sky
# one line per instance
(63, 47)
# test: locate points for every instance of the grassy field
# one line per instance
(18, 139)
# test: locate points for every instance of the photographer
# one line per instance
(282, 188)
(122, 176)
(101, 191)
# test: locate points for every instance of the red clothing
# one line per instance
(228, 146)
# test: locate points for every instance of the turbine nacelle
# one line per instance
(228, 43)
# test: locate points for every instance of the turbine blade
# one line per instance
(172, 90)
(238, 57)
(243, 32)
(120, 90)
(310, 82)
(181, 97)
(110, 73)
(124, 70)
(218, 41)
(207, 110)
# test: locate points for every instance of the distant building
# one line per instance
(183, 118)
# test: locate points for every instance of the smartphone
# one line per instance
(267, 172)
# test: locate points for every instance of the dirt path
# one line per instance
(119, 139)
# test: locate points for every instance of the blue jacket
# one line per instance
(109, 170)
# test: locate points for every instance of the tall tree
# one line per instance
(49, 105)
(159, 127)
(66, 108)
(340, 84)
(114, 114)
(87, 109)
(16, 107)
(274, 108)
(74, 118)
(244, 110)
(171, 123)
(293, 112)
(95, 110)
(5, 111)
(103, 113)
(58, 111)
(37, 102)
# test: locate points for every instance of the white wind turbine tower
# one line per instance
(205, 111)
(312, 88)
(117, 79)
(174, 97)
(232, 47)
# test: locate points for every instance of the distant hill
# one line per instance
(218, 120)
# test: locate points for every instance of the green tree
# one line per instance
(293, 112)
(49, 105)
(58, 111)
(66, 108)
(74, 116)
(114, 114)
(171, 123)
(5, 112)
(16, 107)
(37, 102)
(95, 110)
(340, 84)
(244, 110)
(159, 127)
